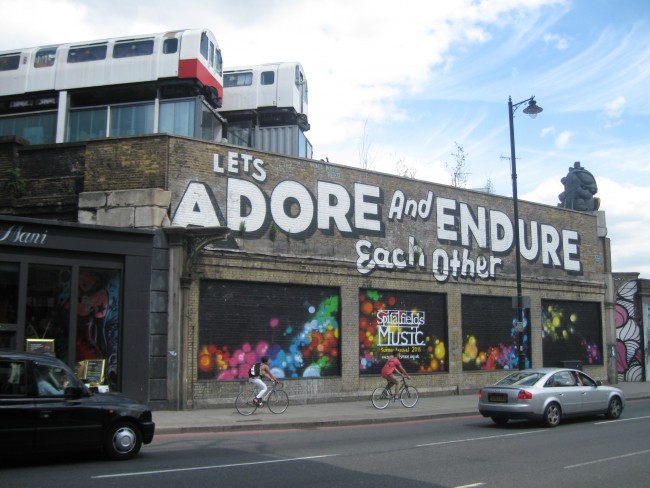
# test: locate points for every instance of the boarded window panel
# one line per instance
(571, 331)
(297, 326)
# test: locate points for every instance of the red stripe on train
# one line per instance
(193, 68)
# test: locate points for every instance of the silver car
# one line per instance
(548, 395)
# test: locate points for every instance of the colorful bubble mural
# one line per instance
(296, 326)
(490, 335)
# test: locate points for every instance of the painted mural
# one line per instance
(491, 338)
(413, 323)
(629, 338)
(407, 229)
(296, 326)
(571, 331)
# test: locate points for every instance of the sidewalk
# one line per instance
(332, 414)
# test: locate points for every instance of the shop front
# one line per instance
(81, 293)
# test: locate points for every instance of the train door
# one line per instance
(41, 71)
(168, 54)
(268, 81)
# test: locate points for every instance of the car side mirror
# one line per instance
(599, 383)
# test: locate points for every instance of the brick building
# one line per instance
(324, 268)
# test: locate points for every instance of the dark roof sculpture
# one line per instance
(579, 190)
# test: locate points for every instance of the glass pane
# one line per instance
(204, 45)
(99, 307)
(238, 79)
(48, 305)
(9, 63)
(9, 273)
(268, 77)
(134, 48)
(239, 135)
(45, 57)
(170, 46)
(87, 124)
(132, 120)
(177, 118)
(210, 125)
(36, 128)
(88, 53)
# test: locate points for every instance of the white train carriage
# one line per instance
(183, 54)
(266, 107)
(167, 82)
(266, 86)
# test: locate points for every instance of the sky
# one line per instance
(404, 84)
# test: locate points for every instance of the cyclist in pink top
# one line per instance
(388, 371)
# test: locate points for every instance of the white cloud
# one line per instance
(548, 131)
(556, 41)
(563, 139)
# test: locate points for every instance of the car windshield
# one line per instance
(523, 378)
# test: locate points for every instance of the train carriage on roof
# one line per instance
(43, 90)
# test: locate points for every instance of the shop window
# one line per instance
(9, 273)
(99, 310)
(48, 305)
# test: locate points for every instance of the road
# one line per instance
(453, 452)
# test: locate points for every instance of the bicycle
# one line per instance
(275, 398)
(408, 395)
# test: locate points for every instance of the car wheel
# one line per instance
(123, 440)
(615, 408)
(552, 415)
(499, 420)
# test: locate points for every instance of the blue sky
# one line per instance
(407, 81)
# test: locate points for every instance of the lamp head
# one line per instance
(533, 109)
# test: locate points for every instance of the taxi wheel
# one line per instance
(123, 440)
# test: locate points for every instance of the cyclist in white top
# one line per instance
(257, 371)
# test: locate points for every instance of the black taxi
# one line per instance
(45, 407)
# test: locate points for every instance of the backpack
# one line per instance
(254, 372)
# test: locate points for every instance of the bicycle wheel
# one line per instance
(380, 397)
(409, 396)
(278, 401)
(244, 402)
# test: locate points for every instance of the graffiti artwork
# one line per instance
(296, 326)
(571, 331)
(413, 323)
(629, 341)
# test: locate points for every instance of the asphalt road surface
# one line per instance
(454, 452)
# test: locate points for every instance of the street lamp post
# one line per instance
(532, 109)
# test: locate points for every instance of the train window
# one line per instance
(133, 48)
(45, 57)
(10, 62)
(219, 62)
(238, 79)
(211, 54)
(87, 53)
(268, 77)
(204, 46)
(170, 46)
